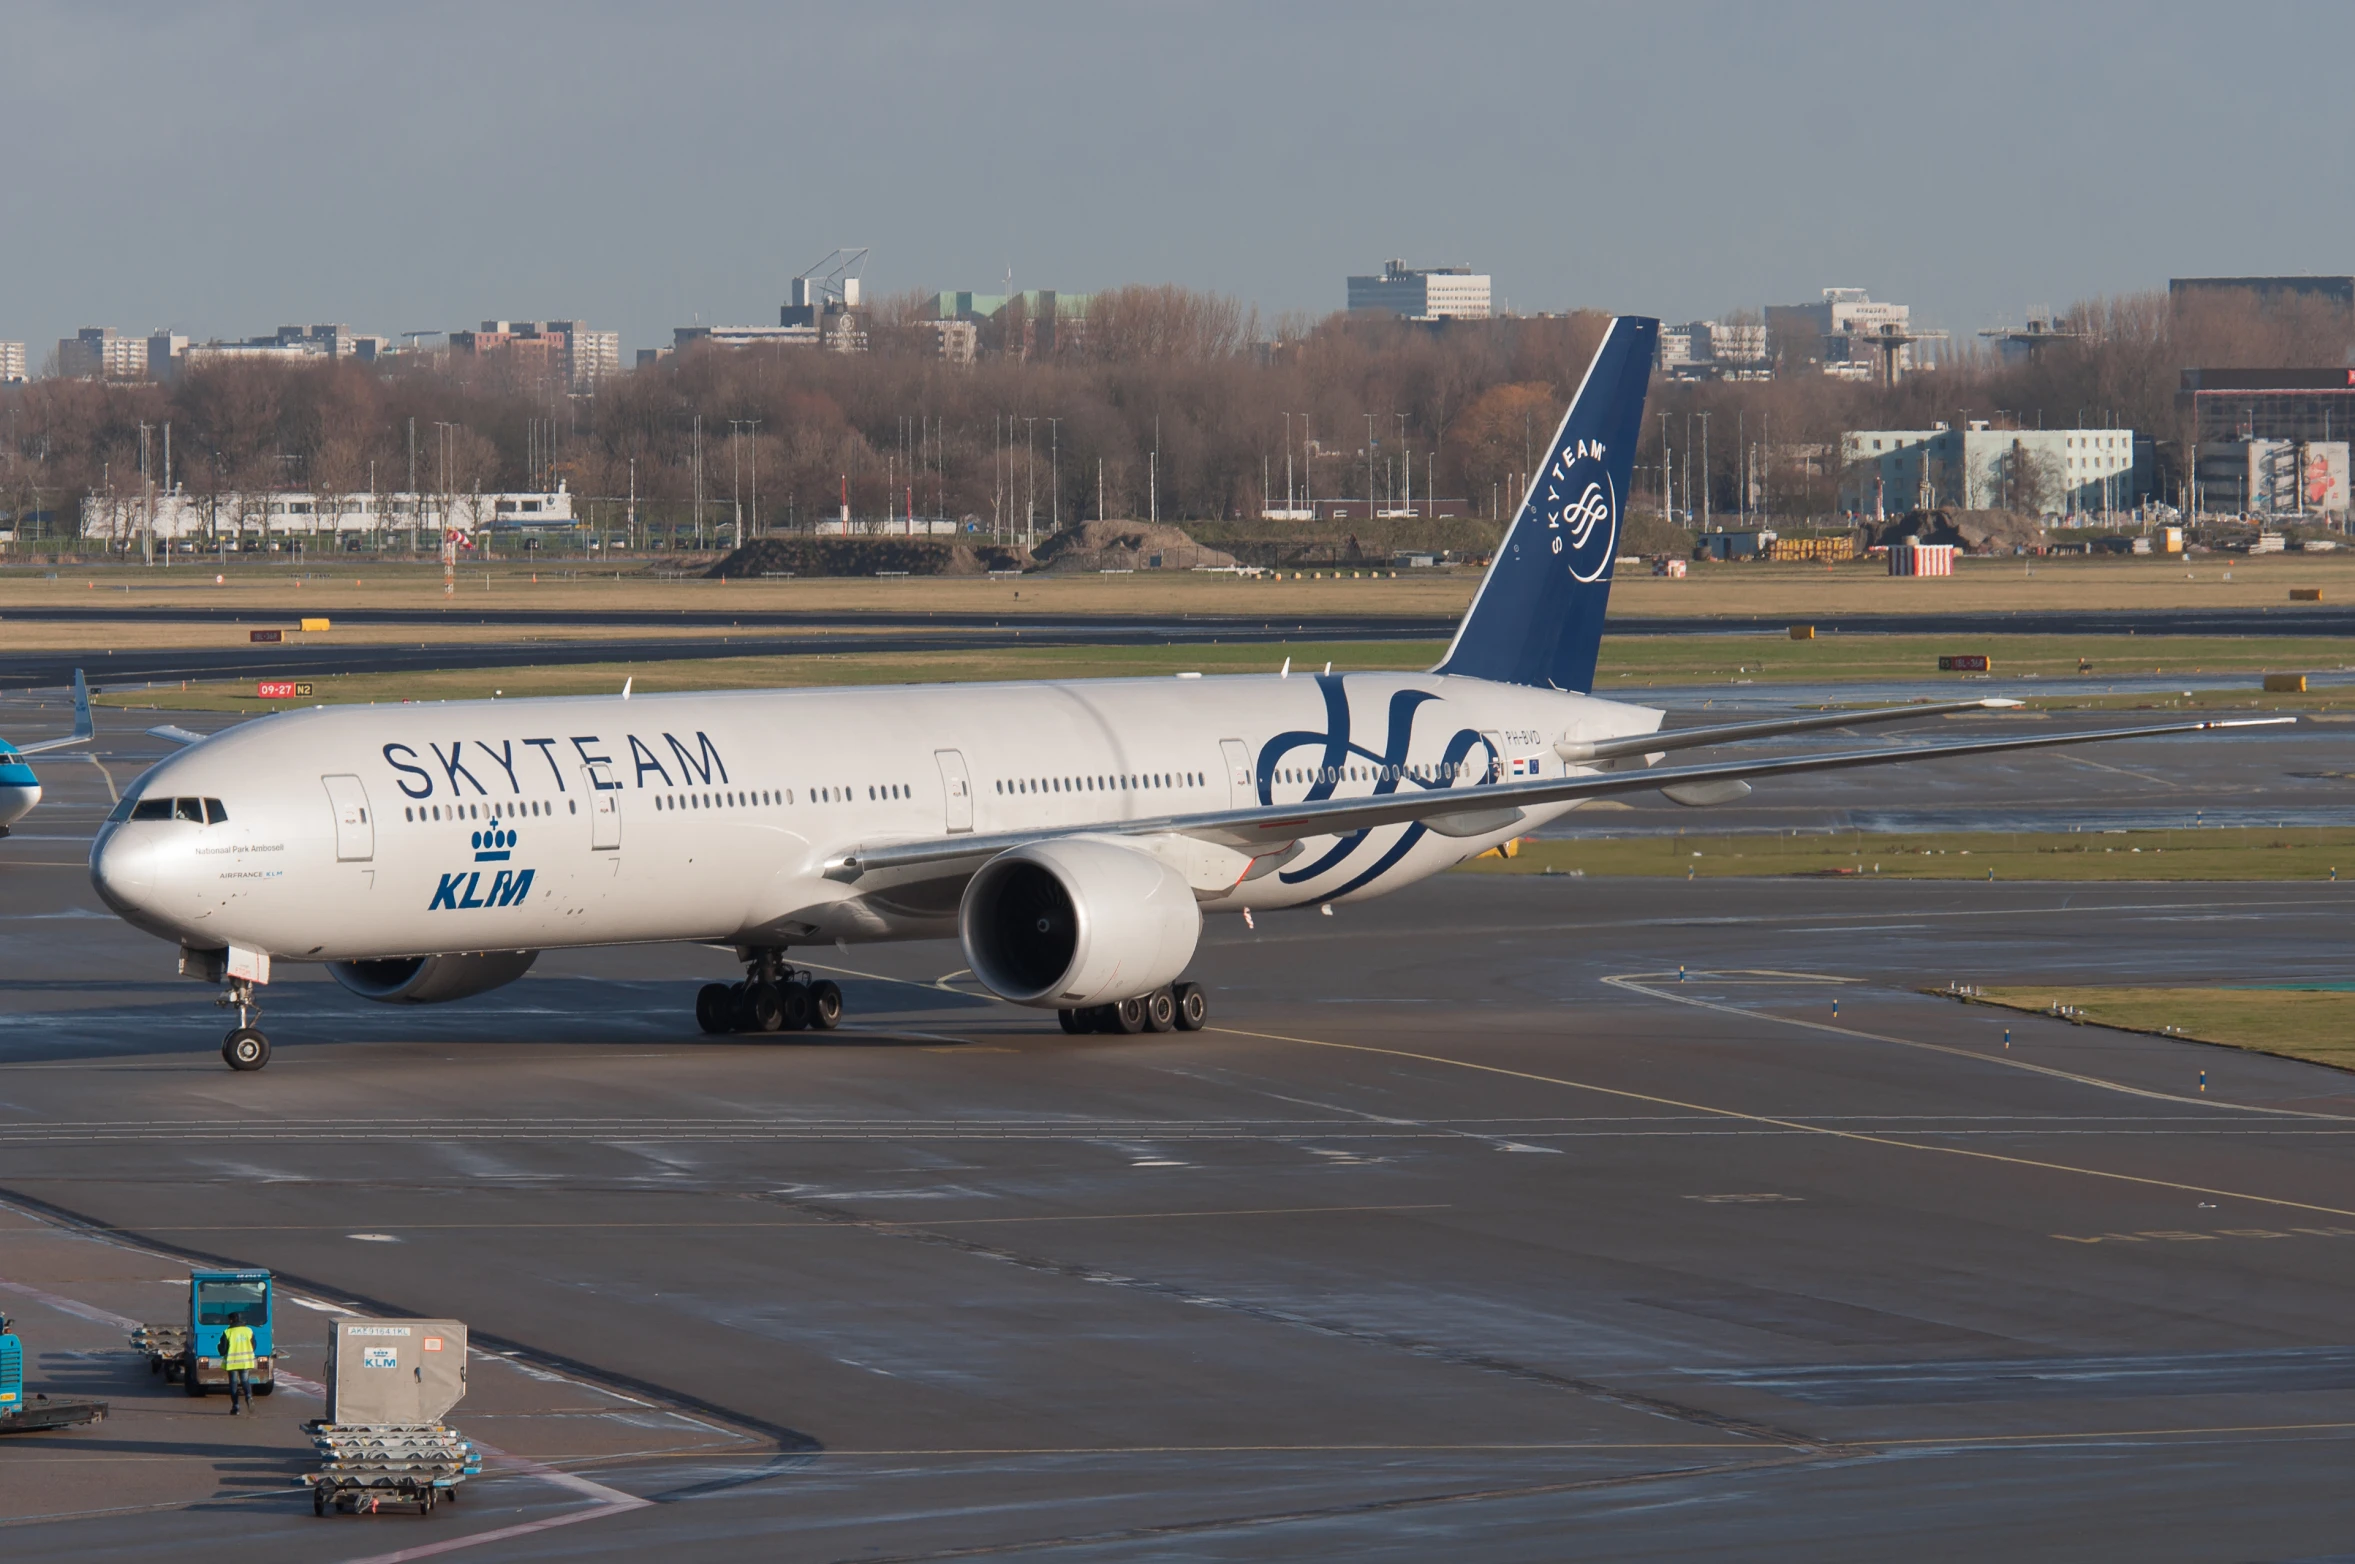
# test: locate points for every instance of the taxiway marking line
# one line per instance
(1790, 1124)
(1634, 983)
(961, 1221)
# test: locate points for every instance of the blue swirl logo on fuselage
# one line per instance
(1393, 771)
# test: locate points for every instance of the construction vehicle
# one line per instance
(190, 1352)
(23, 1413)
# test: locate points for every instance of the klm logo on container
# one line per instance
(465, 887)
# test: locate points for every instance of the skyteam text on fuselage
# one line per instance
(1071, 835)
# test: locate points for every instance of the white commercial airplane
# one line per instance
(20, 790)
(1071, 835)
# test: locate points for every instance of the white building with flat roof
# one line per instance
(2081, 474)
(123, 518)
(12, 363)
(1421, 293)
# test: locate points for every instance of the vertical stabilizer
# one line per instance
(1538, 618)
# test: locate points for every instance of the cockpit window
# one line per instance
(214, 814)
(189, 809)
(122, 809)
(152, 809)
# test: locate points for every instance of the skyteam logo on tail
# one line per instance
(1581, 507)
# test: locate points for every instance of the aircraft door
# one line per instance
(355, 833)
(1496, 757)
(1242, 792)
(956, 789)
(604, 809)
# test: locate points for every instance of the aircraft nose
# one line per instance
(16, 802)
(122, 868)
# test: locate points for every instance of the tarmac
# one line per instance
(1501, 1219)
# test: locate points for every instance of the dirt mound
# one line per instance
(856, 556)
(1127, 545)
(1972, 531)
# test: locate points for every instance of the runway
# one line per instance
(1471, 1229)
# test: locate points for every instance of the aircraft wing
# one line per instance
(82, 728)
(1664, 740)
(1463, 811)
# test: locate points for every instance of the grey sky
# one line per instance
(219, 170)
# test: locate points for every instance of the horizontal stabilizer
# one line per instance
(1661, 742)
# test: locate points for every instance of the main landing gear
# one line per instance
(245, 1048)
(1182, 1007)
(772, 998)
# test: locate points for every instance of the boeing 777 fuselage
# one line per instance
(1071, 835)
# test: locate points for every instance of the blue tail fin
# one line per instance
(1538, 618)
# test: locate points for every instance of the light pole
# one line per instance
(1030, 491)
(1055, 473)
(1704, 472)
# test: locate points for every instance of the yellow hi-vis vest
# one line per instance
(237, 1347)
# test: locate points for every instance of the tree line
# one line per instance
(1168, 403)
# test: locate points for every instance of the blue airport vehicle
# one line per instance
(191, 1352)
(24, 1412)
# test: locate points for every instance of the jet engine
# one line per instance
(1077, 921)
(428, 980)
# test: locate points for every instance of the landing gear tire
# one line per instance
(245, 1049)
(188, 1379)
(712, 1004)
(1071, 1021)
(1193, 1006)
(794, 1006)
(1160, 1011)
(1128, 1017)
(761, 1009)
(825, 1006)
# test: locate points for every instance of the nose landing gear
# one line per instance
(245, 1048)
(774, 997)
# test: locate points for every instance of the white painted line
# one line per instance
(610, 1501)
(80, 1311)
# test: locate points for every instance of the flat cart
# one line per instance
(364, 1467)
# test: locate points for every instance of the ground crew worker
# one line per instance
(238, 1359)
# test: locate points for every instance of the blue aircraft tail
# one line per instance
(1538, 618)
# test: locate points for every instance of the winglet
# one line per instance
(625, 686)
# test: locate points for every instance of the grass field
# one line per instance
(2315, 1024)
(1777, 592)
(2236, 854)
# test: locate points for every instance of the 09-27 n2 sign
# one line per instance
(280, 689)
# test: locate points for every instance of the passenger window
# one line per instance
(214, 814)
(153, 809)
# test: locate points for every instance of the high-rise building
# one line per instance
(589, 356)
(1848, 334)
(102, 353)
(12, 363)
(1421, 293)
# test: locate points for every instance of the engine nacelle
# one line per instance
(428, 980)
(1077, 921)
